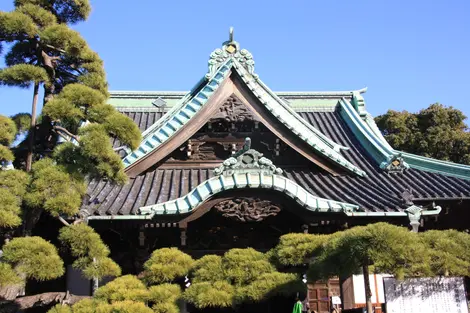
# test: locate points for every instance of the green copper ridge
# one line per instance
(247, 169)
(220, 65)
(364, 127)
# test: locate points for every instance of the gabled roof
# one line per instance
(224, 62)
(377, 193)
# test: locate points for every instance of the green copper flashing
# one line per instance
(437, 166)
(407, 212)
(387, 158)
(299, 101)
(365, 122)
(247, 169)
(299, 126)
(178, 116)
(222, 62)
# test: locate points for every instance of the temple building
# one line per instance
(232, 163)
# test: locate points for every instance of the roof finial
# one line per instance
(230, 36)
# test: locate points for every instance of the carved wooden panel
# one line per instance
(247, 209)
(233, 110)
(212, 146)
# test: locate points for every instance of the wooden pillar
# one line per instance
(305, 228)
(183, 237)
(142, 237)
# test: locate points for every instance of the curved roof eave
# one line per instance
(257, 180)
(363, 125)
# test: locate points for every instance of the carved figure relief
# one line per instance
(247, 209)
(232, 110)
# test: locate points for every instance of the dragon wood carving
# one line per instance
(247, 209)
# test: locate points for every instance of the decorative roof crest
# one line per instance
(247, 160)
(395, 164)
(230, 49)
(359, 103)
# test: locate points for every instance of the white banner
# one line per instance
(425, 295)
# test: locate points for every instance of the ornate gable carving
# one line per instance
(233, 110)
(247, 160)
(246, 209)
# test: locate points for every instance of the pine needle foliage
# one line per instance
(209, 268)
(241, 275)
(91, 253)
(6, 154)
(45, 51)
(42, 50)
(8, 131)
(34, 258)
(163, 298)
(22, 122)
(96, 306)
(66, 11)
(297, 249)
(23, 75)
(59, 308)
(8, 276)
(126, 287)
(270, 284)
(12, 190)
(15, 25)
(388, 248)
(39, 15)
(242, 266)
(219, 294)
(449, 252)
(128, 293)
(54, 189)
(167, 264)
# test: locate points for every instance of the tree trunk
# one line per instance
(365, 272)
(40, 300)
(95, 281)
(29, 156)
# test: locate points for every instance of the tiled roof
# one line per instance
(379, 191)
(193, 103)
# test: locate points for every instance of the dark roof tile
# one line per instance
(379, 191)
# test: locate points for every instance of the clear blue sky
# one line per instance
(409, 53)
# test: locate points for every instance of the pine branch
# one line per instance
(120, 148)
(54, 48)
(60, 218)
(60, 129)
(40, 300)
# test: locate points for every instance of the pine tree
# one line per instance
(68, 141)
(240, 276)
(45, 51)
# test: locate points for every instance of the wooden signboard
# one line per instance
(426, 295)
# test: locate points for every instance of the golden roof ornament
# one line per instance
(230, 49)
